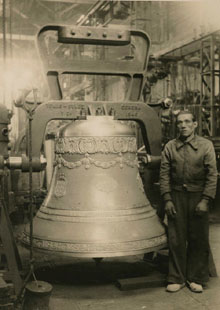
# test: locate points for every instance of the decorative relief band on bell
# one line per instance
(92, 145)
(138, 245)
(88, 161)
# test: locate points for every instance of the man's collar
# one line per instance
(192, 140)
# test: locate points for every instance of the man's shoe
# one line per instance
(195, 287)
(174, 287)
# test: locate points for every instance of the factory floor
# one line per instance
(82, 284)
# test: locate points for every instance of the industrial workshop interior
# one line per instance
(90, 95)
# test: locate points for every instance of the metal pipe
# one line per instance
(4, 44)
(22, 162)
(212, 85)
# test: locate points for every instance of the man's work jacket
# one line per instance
(189, 166)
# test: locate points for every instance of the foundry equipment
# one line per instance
(96, 204)
(9, 257)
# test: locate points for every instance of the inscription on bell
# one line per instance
(91, 145)
(60, 189)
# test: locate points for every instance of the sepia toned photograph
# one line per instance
(109, 154)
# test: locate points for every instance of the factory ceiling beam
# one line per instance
(45, 6)
(71, 7)
(19, 37)
(99, 6)
(71, 1)
(28, 17)
(183, 48)
(91, 11)
(104, 12)
(24, 16)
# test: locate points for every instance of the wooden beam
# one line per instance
(153, 280)
(10, 248)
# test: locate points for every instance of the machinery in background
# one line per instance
(11, 269)
(193, 83)
(10, 262)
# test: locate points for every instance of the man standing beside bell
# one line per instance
(188, 178)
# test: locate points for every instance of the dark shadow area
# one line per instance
(105, 272)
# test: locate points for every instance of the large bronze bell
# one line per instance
(96, 205)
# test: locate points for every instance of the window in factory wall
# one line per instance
(94, 87)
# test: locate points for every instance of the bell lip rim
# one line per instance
(98, 254)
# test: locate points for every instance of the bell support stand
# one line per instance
(69, 223)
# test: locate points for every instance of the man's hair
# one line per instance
(182, 112)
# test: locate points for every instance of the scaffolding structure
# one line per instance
(204, 53)
(210, 80)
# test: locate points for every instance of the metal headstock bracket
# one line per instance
(133, 65)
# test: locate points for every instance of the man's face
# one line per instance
(186, 125)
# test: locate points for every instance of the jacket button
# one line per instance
(185, 187)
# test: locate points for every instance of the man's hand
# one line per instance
(144, 158)
(202, 206)
(170, 209)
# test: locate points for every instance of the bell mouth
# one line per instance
(96, 250)
(64, 233)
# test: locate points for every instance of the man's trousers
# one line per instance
(188, 235)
